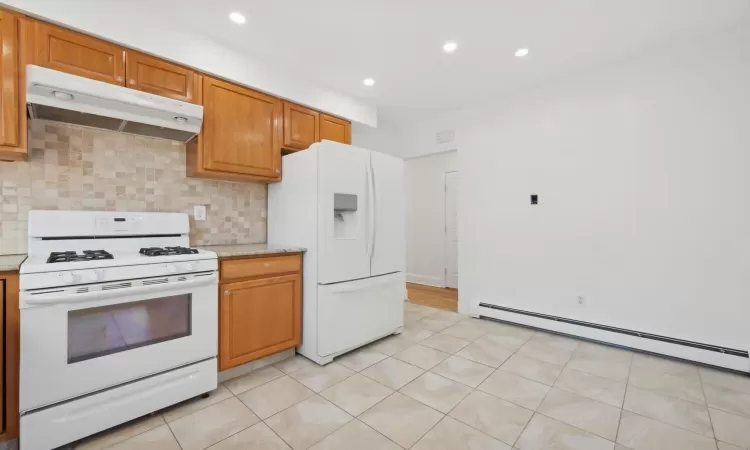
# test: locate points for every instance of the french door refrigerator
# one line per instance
(345, 205)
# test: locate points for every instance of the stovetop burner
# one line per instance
(159, 251)
(88, 255)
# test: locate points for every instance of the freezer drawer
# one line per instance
(354, 313)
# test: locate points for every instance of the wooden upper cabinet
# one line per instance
(301, 126)
(258, 318)
(335, 129)
(12, 89)
(76, 53)
(241, 131)
(160, 77)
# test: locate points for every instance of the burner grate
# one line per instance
(70, 256)
(162, 251)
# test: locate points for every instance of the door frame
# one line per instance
(445, 227)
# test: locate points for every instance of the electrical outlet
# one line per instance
(199, 212)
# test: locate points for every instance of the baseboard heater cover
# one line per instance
(655, 337)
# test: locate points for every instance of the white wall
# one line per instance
(386, 138)
(425, 217)
(132, 28)
(642, 174)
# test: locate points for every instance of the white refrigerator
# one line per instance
(345, 205)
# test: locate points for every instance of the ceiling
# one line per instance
(338, 43)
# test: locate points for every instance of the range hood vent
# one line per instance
(62, 97)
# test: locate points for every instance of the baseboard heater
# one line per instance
(640, 334)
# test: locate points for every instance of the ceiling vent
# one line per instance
(444, 137)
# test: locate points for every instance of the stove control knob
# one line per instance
(187, 267)
(171, 268)
(67, 277)
(71, 277)
(93, 275)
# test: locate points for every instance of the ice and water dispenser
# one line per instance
(344, 216)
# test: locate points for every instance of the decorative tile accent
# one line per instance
(78, 168)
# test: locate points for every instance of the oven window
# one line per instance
(104, 330)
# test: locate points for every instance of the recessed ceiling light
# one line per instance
(368, 82)
(450, 47)
(237, 18)
(521, 52)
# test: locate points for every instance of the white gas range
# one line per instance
(119, 318)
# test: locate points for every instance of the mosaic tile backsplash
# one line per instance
(79, 168)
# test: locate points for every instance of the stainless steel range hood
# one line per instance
(62, 97)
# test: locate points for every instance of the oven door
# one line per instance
(75, 341)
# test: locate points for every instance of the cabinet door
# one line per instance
(76, 53)
(335, 129)
(258, 318)
(241, 130)
(160, 77)
(12, 117)
(301, 126)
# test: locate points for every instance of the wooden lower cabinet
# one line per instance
(259, 317)
(9, 338)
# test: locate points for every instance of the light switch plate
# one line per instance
(199, 212)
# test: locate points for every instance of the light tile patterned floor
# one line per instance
(451, 383)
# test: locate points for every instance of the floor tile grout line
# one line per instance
(107, 431)
(324, 437)
(172, 432)
(373, 429)
(624, 396)
(672, 426)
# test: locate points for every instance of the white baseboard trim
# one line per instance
(424, 279)
(665, 348)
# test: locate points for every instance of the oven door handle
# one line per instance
(100, 295)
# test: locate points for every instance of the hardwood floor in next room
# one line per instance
(436, 297)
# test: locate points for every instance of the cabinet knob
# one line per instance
(267, 264)
(118, 78)
(227, 292)
(278, 170)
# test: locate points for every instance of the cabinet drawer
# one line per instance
(253, 267)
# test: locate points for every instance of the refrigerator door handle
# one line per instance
(371, 213)
(374, 221)
(370, 230)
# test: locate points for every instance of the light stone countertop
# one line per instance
(229, 250)
(11, 263)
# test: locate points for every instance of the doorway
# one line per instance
(451, 230)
